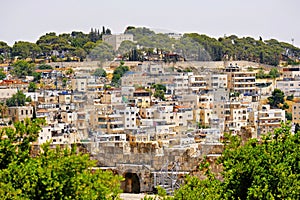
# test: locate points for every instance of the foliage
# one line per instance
(36, 76)
(194, 188)
(32, 87)
(69, 71)
(18, 99)
(191, 46)
(274, 73)
(159, 94)
(26, 50)
(159, 91)
(290, 97)
(100, 72)
(276, 98)
(288, 116)
(3, 109)
(4, 48)
(53, 174)
(16, 146)
(125, 47)
(265, 169)
(2, 74)
(159, 87)
(102, 52)
(118, 73)
(44, 66)
(285, 106)
(22, 68)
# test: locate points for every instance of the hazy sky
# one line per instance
(29, 19)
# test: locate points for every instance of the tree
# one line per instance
(118, 73)
(26, 50)
(2, 74)
(44, 66)
(274, 73)
(22, 68)
(125, 47)
(32, 87)
(159, 94)
(159, 87)
(89, 46)
(3, 109)
(100, 72)
(102, 52)
(265, 169)
(18, 99)
(52, 174)
(276, 98)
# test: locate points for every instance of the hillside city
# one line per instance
(118, 97)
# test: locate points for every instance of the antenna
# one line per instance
(293, 41)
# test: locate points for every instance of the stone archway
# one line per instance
(131, 183)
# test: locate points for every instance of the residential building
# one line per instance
(296, 113)
(20, 113)
(240, 81)
(110, 123)
(289, 87)
(197, 83)
(6, 93)
(266, 119)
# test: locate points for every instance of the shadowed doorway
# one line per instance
(131, 183)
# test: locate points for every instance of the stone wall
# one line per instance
(147, 159)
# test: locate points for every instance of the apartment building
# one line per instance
(45, 135)
(20, 113)
(290, 73)
(266, 119)
(164, 112)
(289, 86)
(183, 115)
(296, 113)
(6, 93)
(239, 81)
(129, 118)
(181, 83)
(217, 80)
(197, 83)
(233, 112)
(110, 123)
(141, 98)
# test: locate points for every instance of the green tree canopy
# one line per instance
(26, 50)
(44, 66)
(118, 73)
(18, 99)
(22, 68)
(276, 98)
(2, 74)
(102, 52)
(52, 174)
(100, 72)
(32, 87)
(274, 73)
(265, 169)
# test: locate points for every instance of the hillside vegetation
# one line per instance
(148, 44)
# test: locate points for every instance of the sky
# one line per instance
(27, 20)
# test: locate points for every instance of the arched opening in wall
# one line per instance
(131, 183)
